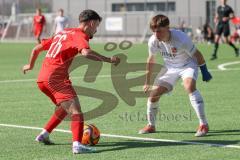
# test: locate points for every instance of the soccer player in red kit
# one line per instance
(39, 22)
(53, 79)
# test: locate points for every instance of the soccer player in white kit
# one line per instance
(182, 60)
(61, 21)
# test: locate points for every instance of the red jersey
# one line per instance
(62, 48)
(38, 22)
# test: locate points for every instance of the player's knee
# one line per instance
(190, 89)
(153, 99)
(189, 85)
(73, 106)
(75, 110)
(217, 38)
(155, 95)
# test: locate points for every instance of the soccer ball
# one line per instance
(91, 135)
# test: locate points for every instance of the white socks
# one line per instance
(76, 143)
(152, 110)
(198, 105)
(196, 102)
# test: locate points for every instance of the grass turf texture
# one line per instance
(21, 103)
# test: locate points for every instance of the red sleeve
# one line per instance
(46, 43)
(81, 43)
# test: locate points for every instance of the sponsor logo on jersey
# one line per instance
(167, 54)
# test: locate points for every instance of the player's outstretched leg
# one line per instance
(54, 121)
(152, 109)
(198, 105)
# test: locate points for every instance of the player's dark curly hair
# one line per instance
(159, 21)
(88, 15)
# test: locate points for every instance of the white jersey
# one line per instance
(177, 52)
(60, 23)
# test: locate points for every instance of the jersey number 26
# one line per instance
(56, 46)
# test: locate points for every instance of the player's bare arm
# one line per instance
(32, 27)
(232, 15)
(54, 27)
(35, 52)
(199, 57)
(67, 24)
(216, 18)
(88, 53)
(149, 69)
(225, 19)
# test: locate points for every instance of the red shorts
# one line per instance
(37, 32)
(58, 93)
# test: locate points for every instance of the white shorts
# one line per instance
(172, 75)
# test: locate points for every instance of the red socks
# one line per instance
(76, 124)
(77, 127)
(56, 118)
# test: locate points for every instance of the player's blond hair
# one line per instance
(159, 21)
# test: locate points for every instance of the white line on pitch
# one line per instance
(222, 66)
(98, 76)
(106, 76)
(131, 137)
(17, 80)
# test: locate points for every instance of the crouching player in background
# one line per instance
(182, 60)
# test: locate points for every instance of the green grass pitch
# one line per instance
(21, 103)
